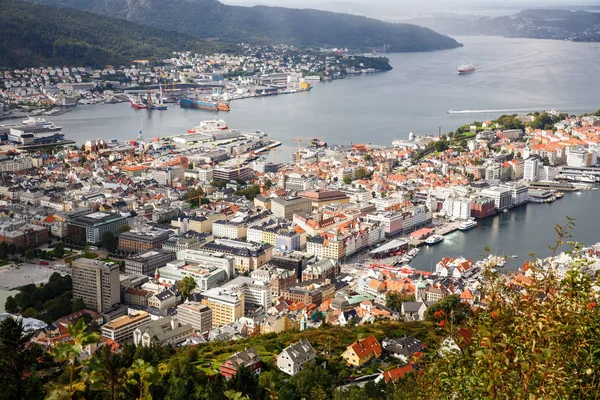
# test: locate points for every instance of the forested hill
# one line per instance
(38, 35)
(266, 25)
(577, 26)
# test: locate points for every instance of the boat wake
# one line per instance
(486, 111)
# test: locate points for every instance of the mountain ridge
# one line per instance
(72, 37)
(557, 24)
(266, 24)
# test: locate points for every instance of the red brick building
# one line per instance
(248, 358)
(482, 207)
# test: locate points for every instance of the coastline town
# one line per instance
(199, 238)
(220, 78)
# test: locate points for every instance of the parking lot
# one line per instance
(15, 275)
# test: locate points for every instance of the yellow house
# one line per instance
(362, 351)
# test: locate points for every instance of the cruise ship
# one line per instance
(434, 239)
(465, 226)
(32, 131)
(466, 69)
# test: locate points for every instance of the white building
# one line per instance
(458, 208)
(502, 196)
(294, 357)
(530, 172)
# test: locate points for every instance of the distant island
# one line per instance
(576, 26)
(268, 25)
(35, 35)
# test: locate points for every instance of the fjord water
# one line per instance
(513, 76)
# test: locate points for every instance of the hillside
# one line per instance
(577, 26)
(34, 35)
(264, 25)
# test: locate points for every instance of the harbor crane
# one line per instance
(304, 139)
(278, 148)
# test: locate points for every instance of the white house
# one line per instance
(294, 357)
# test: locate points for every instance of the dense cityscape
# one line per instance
(225, 263)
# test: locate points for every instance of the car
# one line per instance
(93, 248)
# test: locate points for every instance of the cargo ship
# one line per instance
(136, 102)
(204, 104)
(466, 69)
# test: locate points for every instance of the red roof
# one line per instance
(366, 346)
(397, 373)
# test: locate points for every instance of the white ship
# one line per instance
(210, 125)
(467, 68)
(465, 226)
(434, 239)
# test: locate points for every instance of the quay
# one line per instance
(560, 186)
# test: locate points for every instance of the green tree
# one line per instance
(29, 255)
(452, 307)
(78, 304)
(347, 180)
(80, 372)
(310, 378)
(185, 286)
(109, 241)
(11, 305)
(124, 228)
(194, 197)
(111, 371)
(142, 375)
(244, 381)
(59, 250)
(17, 361)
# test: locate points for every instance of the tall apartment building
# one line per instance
(227, 305)
(96, 283)
(286, 207)
(530, 168)
(121, 329)
(146, 262)
(198, 315)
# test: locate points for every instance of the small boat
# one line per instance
(465, 226)
(505, 210)
(514, 256)
(434, 239)
(559, 195)
(579, 193)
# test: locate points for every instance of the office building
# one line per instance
(89, 228)
(227, 305)
(137, 241)
(121, 329)
(146, 262)
(96, 283)
(196, 314)
(286, 207)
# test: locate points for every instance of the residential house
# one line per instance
(293, 358)
(362, 351)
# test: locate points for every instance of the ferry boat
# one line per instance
(466, 69)
(465, 226)
(210, 126)
(434, 239)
